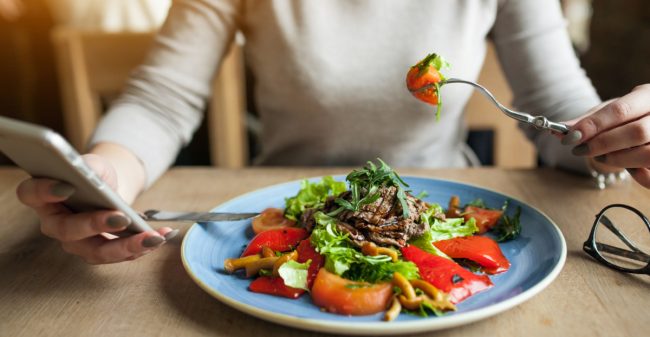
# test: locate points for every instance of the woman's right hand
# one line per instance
(81, 233)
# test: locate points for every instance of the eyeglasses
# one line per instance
(620, 239)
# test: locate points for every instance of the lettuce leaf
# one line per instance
(312, 195)
(343, 259)
(294, 274)
(441, 230)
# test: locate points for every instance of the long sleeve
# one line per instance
(163, 102)
(543, 71)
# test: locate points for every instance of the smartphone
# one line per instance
(43, 153)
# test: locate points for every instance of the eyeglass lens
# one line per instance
(623, 239)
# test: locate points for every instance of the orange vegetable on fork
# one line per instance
(423, 80)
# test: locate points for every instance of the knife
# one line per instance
(156, 215)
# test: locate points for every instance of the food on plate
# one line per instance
(424, 79)
(370, 246)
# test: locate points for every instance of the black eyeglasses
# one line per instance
(620, 239)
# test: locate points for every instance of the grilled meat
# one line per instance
(381, 222)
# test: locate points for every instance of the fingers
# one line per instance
(99, 250)
(636, 157)
(641, 175)
(621, 111)
(68, 227)
(626, 136)
(38, 193)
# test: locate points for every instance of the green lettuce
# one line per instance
(441, 230)
(343, 259)
(312, 195)
(294, 274)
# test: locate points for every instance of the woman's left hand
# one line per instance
(617, 135)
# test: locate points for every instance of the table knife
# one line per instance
(156, 215)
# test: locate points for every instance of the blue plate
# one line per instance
(536, 256)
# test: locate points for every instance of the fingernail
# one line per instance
(601, 159)
(152, 241)
(61, 189)
(580, 150)
(117, 221)
(572, 138)
(171, 234)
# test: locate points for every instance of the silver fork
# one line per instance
(539, 122)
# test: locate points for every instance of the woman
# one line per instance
(329, 90)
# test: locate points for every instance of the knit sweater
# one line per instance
(328, 78)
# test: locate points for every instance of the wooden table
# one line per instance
(44, 291)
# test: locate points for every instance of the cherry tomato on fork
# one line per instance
(425, 74)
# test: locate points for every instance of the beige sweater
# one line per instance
(329, 78)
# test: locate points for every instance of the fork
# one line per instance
(539, 122)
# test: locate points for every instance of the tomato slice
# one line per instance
(338, 295)
(307, 252)
(271, 218)
(485, 218)
(280, 240)
(446, 275)
(273, 285)
(480, 249)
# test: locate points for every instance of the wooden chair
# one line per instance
(511, 148)
(94, 66)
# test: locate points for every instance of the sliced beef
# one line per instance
(381, 222)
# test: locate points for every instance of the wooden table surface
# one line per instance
(44, 291)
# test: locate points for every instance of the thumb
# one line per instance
(102, 167)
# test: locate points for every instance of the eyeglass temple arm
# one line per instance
(608, 223)
(639, 256)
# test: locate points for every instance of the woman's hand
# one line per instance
(81, 233)
(617, 134)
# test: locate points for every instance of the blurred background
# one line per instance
(46, 66)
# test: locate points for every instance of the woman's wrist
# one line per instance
(605, 175)
(131, 175)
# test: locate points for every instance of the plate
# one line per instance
(536, 256)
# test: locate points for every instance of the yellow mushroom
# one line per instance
(230, 265)
(284, 258)
(400, 281)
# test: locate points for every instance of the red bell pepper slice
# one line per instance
(307, 252)
(274, 285)
(446, 274)
(485, 218)
(280, 240)
(480, 249)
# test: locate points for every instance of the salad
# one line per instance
(369, 245)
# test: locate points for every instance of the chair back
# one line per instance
(94, 67)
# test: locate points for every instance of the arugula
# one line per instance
(312, 195)
(365, 185)
(478, 203)
(343, 259)
(509, 227)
